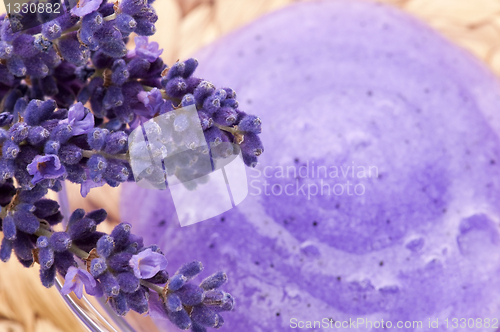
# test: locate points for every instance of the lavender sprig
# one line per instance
(71, 94)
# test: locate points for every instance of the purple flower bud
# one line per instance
(97, 215)
(10, 150)
(138, 301)
(205, 316)
(177, 70)
(92, 21)
(120, 72)
(190, 294)
(225, 116)
(7, 168)
(74, 281)
(26, 222)
(116, 172)
(109, 284)
(62, 133)
(128, 282)
(180, 319)
(230, 103)
(72, 50)
(23, 248)
(219, 300)
(45, 167)
(81, 228)
(105, 246)
(45, 253)
(97, 267)
(119, 304)
(190, 66)
(187, 100)
(132, 7)
(250, 123)
(147, 264)
(76, 216)
(176, 282)
(9, 227)
(42, 242)
(202, 91)
(110, 41)
(138, 67)
(48, 276)
(6, 50)
(214, 281)
(211, 105)
(38, 135)
(117, 142)
(19, 132)
(97, 138)
(60, 241)
(205, 120)
(197, 327)
(23, 46)
(51, 147)
(125, 23)
(6, 249)
(70, 154)
(51, 30)
(175, 87)
(120, 262)
(190, 270)
(146, 22)
(173, 302)
(16, 66)
(251, 145)
(113, 97)
(213, 136)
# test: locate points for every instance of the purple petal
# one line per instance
(69, 281)
(147, 263)
(85, 7)
(156, 307)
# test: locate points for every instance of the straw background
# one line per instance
(184, 27)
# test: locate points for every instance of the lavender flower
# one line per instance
(147, 264)
(145, 49)
(47, 135)
(74, 281)
(80, 119)
(45, 167)
(153, 100)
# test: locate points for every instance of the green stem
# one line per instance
(160, 290)
(90, 153)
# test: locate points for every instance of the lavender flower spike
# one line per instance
(85, 7)
(147, 264)
(74, 281)
(80, 119)
(149, 51)
(45, 167)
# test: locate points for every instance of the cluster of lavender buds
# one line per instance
(71, 95)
